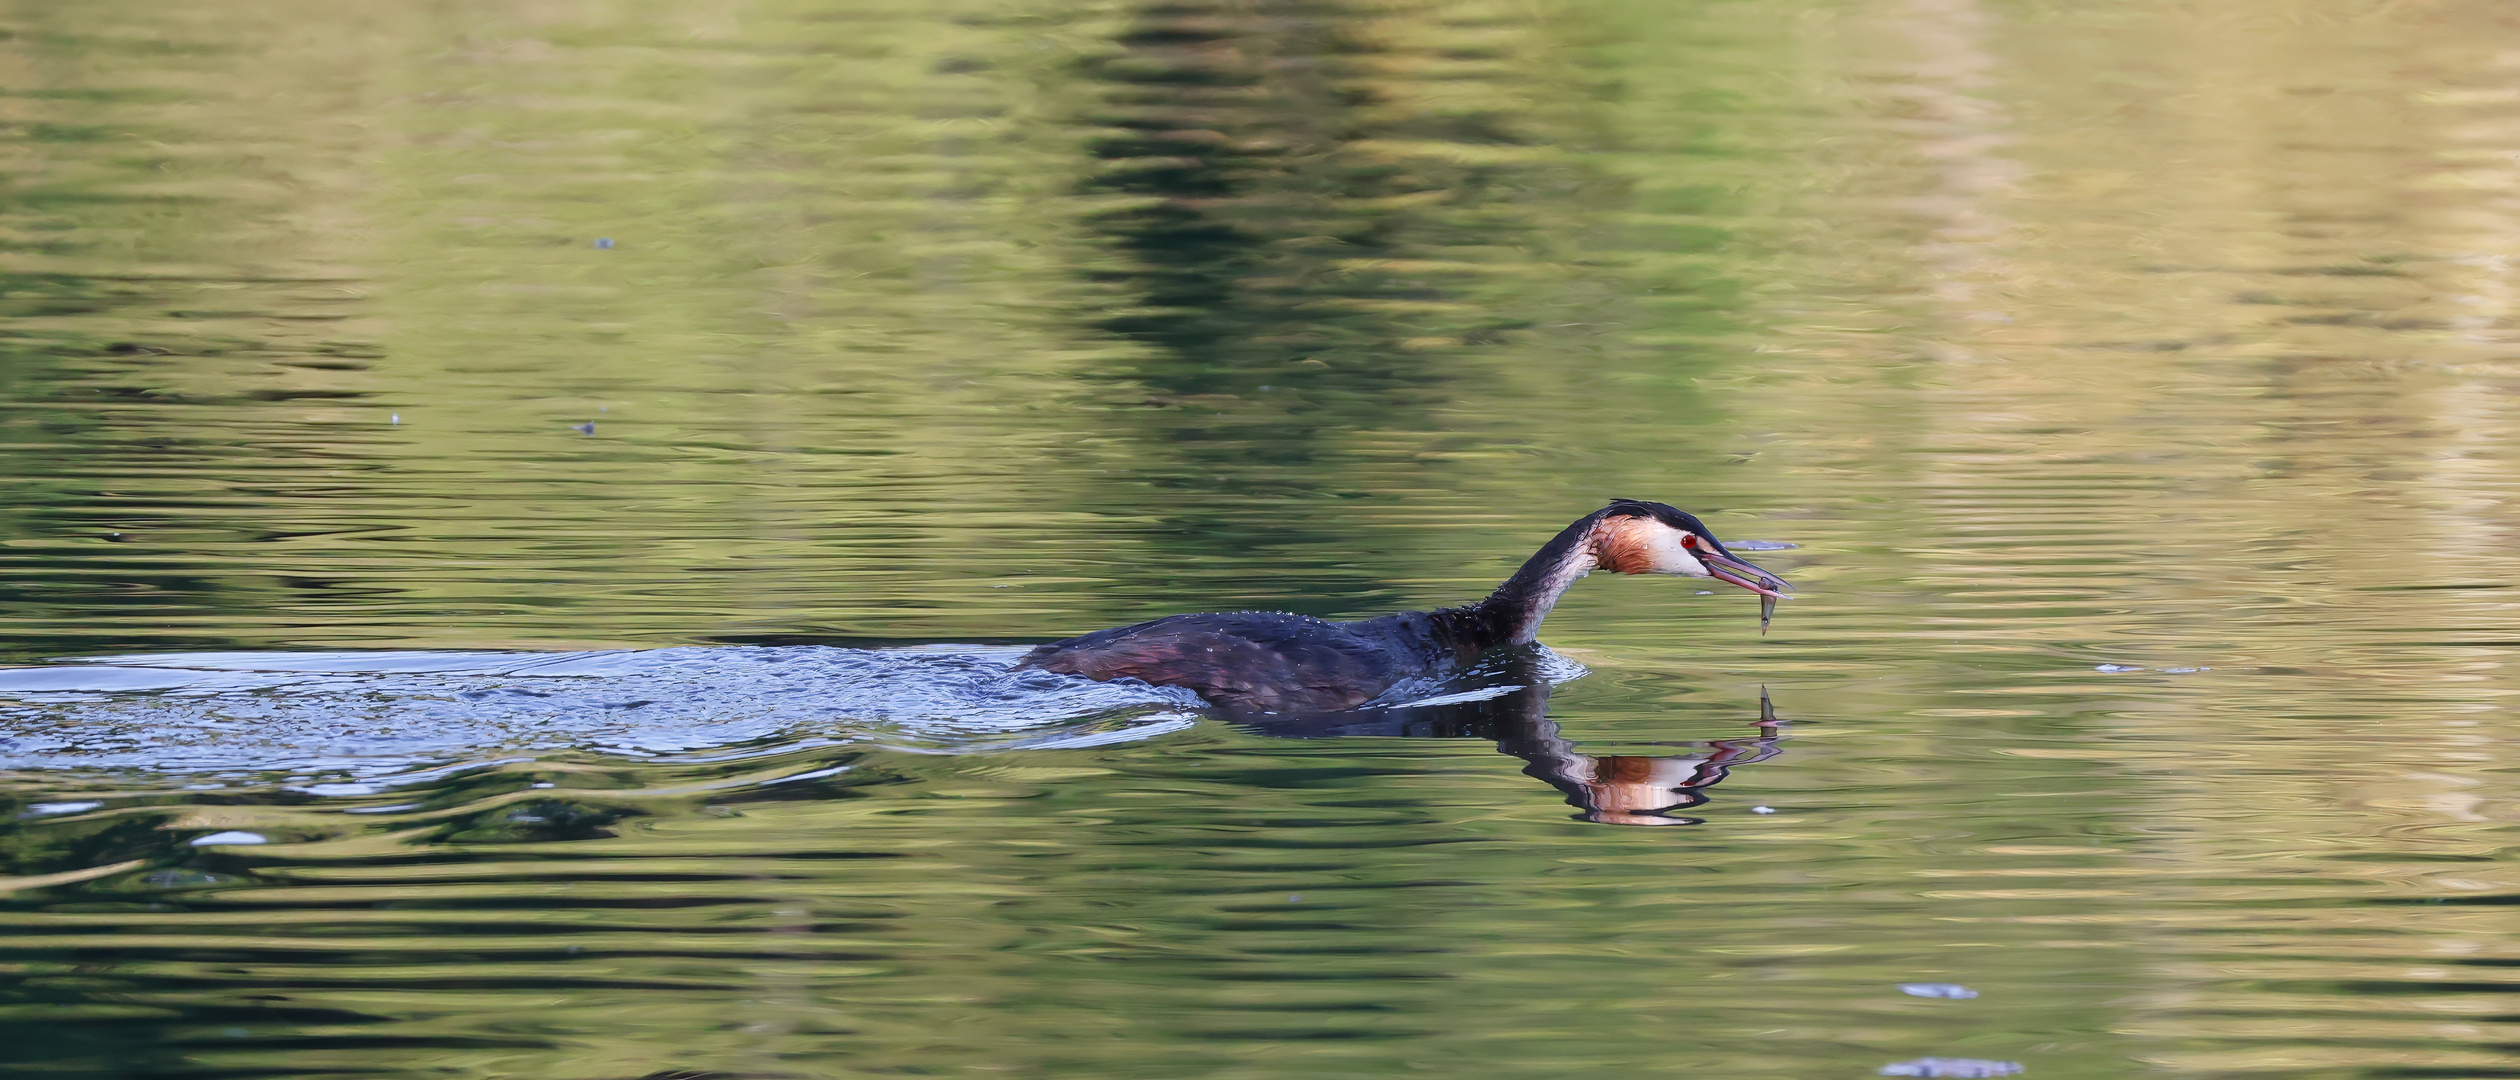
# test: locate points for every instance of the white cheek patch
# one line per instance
(1670, 554)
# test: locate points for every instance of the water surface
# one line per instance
(443, 646)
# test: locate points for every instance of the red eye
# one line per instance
(1688, 540)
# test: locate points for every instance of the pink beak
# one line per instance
(1727, 567)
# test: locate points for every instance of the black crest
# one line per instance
(1668, 515)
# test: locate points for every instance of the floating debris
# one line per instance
(1767, 611)
(2183, 670)
(2115, 668)
(1950, 991)
(587, 428)
(1952, 1067)
(218, 839)
(1762, 809)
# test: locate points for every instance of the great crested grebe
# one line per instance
(1273, 662)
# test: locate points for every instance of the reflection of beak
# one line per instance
(1621, 817)
(1725, 567)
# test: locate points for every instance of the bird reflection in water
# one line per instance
(1609, 789)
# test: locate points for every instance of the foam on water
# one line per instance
(365, 714)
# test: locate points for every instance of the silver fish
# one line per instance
(1767, 610)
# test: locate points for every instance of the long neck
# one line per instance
(1512, 614)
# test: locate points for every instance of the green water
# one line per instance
(2063, 338)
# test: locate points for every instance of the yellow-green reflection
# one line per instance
(2155, 334)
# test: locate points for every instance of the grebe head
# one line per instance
(1638, 537)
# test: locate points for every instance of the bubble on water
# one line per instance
(1951, 1067)
(221, 839)
(2115, 668)
(604, 242)
(1762, 809)
(1952, 991)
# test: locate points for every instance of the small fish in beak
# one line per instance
(1732, 569)
(1722, 565)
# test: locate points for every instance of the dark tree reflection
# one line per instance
(1319, 228)
(1297, 222)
